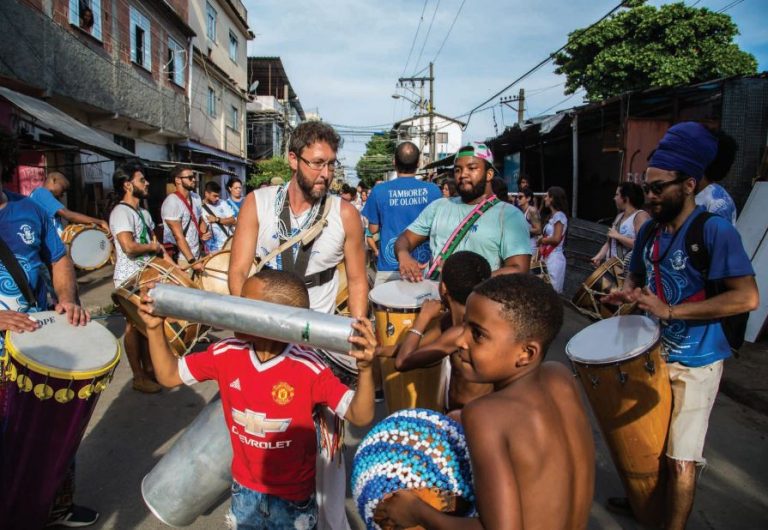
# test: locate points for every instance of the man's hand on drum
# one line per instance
(430, 310)
(363, 343)
(410, 269)
(400, 509)
(17, 322)
(619, 297)
(76, 315)
(146, 309)
(652, 304)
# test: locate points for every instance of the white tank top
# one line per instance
(327, 252)
(626, 229)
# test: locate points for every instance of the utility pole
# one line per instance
(419, 81)
(285, 121)
(520, 100)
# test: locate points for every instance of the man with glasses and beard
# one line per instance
(184, 225)
(475, 220)
(274, 215)
(666, 284)
(135, 241)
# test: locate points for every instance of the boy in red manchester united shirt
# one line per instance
(269, 390)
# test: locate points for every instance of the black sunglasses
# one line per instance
(657, 187)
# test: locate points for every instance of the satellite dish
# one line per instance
(253, 87)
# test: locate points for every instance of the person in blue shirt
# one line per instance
(393, 205)
(28, 232)
(235, 191)
(665, 284)
(48, 197)
(709, 193)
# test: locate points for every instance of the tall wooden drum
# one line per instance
(618, 361)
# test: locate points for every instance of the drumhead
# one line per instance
(90, 249)
(64, 350)
(404, 294)
(613, 339)
(341, 360)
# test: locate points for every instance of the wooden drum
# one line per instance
(395, 306)
(607, 278)
(620, 365)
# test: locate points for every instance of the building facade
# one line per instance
(447, 131)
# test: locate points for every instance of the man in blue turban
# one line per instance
(672, 278)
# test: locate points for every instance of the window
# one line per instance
(250, 136)
(211, 102)
(176, 62)
(441, 138)
(210, 21)
(141, 40)
(233, 46)
(234, 117)
(86, 15)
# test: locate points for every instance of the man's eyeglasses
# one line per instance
(657, 187)
(319, 166)
(189, 177)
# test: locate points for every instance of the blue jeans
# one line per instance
(252, 510)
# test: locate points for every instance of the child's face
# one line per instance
(488, 348)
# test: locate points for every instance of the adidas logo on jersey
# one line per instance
(235, 384)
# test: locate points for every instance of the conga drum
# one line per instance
(53, 379)
(619, 362)
(395, 306)
(182, 335)
(419, 450)
(215, 275)
(88, 246)
(607, 278)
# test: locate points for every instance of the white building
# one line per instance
(416, 129)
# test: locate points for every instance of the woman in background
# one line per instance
(552, 241)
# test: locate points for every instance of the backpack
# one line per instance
(734, 326)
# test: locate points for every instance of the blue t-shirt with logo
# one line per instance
(50, 205)
(394, 205)
(692, 342)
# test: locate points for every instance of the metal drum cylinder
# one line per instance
(194, 473)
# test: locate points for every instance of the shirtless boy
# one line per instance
(530, 443)
(425, 345)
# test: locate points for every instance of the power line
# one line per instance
(421, 19)
(545, 61)
(729, 6)
(449, 31)
(429, 30)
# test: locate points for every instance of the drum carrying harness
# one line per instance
(459, 233)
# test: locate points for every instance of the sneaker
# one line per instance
(146, 385)
(76, 517)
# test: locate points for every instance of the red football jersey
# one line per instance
(268, 408)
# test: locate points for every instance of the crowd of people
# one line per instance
(527, 431)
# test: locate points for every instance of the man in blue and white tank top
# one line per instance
(674, 292)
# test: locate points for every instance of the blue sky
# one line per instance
(344, 57)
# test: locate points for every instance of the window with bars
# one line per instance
(210, 21)
(176, 62)
(234, 117)
(211, 102)
(141, 39)
(233, 44)
(86, 15)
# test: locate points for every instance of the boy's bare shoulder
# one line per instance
(558, 377)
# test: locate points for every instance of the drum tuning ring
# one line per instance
(622, 376)
(595, 380)
(650, 366)
(390, 327)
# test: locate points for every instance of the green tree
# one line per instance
(644, 47)
(267, 169)
(377, 160)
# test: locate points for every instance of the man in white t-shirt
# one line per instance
(135, 244)
(219, 215)
(183, 222)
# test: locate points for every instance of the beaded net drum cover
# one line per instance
(415, 449)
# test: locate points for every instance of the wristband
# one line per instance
(416, 332)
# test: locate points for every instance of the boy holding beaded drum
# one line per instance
(529, 441)
(269, 391)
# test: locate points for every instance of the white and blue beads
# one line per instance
(414, 448)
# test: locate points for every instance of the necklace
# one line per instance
(285, 232)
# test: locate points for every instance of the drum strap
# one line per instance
(227, 231)
(298, 264)
(192, 217)
(459, 233)
(17, 273)
(144, 237)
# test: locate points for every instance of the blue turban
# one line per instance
(687, 147)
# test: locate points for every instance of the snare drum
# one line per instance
(419, 450)
(216, 272)
(395, 306)
(89, 246)
(53, 378)
(182, 335)
(607, 278)
(619, 363)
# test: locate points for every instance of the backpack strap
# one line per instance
(695, 246)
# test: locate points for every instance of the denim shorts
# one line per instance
(252, 510)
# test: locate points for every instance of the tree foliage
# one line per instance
(644, 47)
(267, 169)
(377, 160)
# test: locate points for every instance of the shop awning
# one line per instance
(49, 117)
(167, 165)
